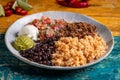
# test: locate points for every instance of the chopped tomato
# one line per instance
(59, 22)
(36, 22)
(42, 37)
(47, 20)
(53, 27)
(42, 26)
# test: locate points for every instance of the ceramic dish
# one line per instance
(102, 30)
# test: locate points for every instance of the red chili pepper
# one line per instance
(78, 4)
(83, 0)
(62, 2)
(74, 3)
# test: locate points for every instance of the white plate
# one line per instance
(68, 16)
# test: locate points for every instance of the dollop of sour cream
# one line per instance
(29, 30)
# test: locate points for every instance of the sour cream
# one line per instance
(29, 30)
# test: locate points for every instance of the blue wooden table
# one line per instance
(13, 69)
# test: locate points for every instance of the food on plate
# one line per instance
(60, 43)
(80, 30)
(30, 31)
(75, 52)
(42, 52)
(23, 43)
(48, 27)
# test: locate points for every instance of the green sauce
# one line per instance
(23, 43)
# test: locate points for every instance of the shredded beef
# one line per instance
(79, 30)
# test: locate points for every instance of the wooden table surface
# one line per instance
(104, 11)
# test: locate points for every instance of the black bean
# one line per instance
(40, 58)
(42, 52)
(44, 62)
